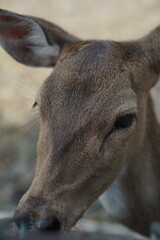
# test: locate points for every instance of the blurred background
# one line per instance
(102, 19)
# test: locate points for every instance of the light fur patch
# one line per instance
(42, 49)
(149, 184)
(113, 199)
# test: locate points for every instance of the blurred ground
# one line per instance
(103, 19)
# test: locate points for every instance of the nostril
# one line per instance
(22, 221)
(56, 225)
(29, 225)
(48, 224)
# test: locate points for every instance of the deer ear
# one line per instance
(32, 41)
(142, 58)
(151, 47)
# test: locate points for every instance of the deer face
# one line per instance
(92, 112)
(86, 130)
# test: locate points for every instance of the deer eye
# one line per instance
(120, 123)
(125, 121)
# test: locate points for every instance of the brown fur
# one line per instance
(93, 83)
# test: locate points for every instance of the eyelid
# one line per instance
(126, 110)
(122, 114)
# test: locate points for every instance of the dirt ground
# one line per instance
(102, 19)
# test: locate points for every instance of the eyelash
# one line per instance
(35, 104)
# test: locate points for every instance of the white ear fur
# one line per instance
(41, 48)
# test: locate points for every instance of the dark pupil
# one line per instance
(125, 121)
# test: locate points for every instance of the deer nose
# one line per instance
(46, 224)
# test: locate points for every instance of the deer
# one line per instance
(99, 134)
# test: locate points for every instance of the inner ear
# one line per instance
(26, 39)
(13, 27)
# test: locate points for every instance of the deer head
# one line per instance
(92, 112)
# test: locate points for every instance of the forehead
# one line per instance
(87, 73)
(100, 61)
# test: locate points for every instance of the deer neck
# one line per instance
(136, 192)
(144, 169)
(149, 154)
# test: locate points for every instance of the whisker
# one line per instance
(32, 128)
(38, 80)
(21, 88)
(22, 115)
(24, 123)
(78, 227)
